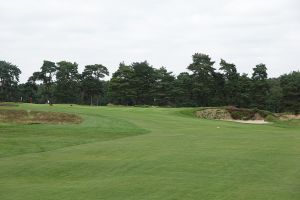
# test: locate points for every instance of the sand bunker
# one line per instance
(36, 117)
(288, 117)
(250, 121)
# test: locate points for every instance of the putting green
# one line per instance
(126, 153)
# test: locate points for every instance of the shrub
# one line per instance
(265, 113)
(271, 118)
(241, 114)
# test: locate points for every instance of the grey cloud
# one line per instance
(165, 32)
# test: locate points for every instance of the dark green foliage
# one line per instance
(231, 86)
(140, 84)
(67, 87)
(244, 97)
(260, 87)
(203, 83)
(9, 78)
(290, 84)
(91, 84)
(164, 87)
(274, 100)
(121, 89)
(28, 92)
(218, 92)
(241, 114)
(104, 99)
(264, 113)
(143, 82)
(271, 118)
(183, 90)
(46, 76)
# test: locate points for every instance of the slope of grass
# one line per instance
(31, 138)
(147, 153)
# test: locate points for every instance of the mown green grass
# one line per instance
(147, 153)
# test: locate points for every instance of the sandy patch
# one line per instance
(249, 121)
(288, 117)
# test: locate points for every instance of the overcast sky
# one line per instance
(163, 32)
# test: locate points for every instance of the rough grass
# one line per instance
(8, 104)
(214, 113)
(37, 117)
(233, 113)
(124, 153)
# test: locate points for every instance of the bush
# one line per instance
(213, 113)
(241, 114)
(271, 118)
(265, 113)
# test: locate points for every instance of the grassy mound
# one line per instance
(213, 113)
(233, 113)
(37, 117)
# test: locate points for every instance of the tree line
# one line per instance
(141, 84)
